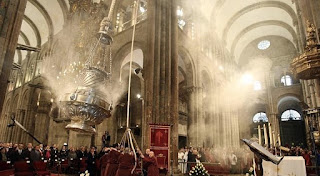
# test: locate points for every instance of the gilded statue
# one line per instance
(311, 34)
(79, 5)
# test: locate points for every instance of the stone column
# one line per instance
(317, 91)
(161, 73)
(201, 119)
(306, 89)
(11, 14)
(79, 139)
(192, 117)
(312, 93)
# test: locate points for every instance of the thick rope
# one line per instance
(111, 9)
(131, 58)
(128, 132)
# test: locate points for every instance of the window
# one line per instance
(264, 44)
(290, 115)
(257, 85)
(286, 80)
(260, 117)
(181, 22)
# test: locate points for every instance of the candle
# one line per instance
(266, 142)
(270, 135)
(259, 134)
(279, 140)
(274, 139)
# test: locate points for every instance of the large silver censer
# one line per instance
(86, 106)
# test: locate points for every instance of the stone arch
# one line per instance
(254, 39)
(137, 58)
(45, 14)
(6, 107)
(206, 85)
(19, 56)
(190, 66)
(121, 54)
(289, 101)
(34, 28)
(295, 97)
(258, 5)
(183, 74)
(25, 99)
(264, 23)
(25, 38)
(5, 117)
(64, 7)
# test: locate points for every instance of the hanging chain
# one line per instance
(110, 62)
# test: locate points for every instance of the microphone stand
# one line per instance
(14, 122)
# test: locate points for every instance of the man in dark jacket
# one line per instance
(18, 155)
(191, 158)
(35, 154)
(27, 151)
(82, 153)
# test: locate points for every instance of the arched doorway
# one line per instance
(292, 127)
(137, 95)
(259, 119)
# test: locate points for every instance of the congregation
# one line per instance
(110, 161)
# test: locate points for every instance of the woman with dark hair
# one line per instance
(63, 152)
(3, 156)
(91, 161)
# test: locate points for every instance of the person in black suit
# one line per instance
(191, 158)
(36, 154)
(18, 155)
(92, 157)
(82, 153)
(54, 154)
(10, 151)
(27, 151)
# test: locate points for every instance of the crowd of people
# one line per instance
(233, 160)
(238, 160)
(110, 161)
(120, 161)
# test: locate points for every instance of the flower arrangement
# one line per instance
(250, 172)
(86, 173)
(198, 170)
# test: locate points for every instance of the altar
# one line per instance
(289, 166)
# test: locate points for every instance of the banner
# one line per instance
(160, 144)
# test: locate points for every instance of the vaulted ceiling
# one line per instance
(240, 22)
(237, 22)
(42, 19)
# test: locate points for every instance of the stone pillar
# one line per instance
(11, 14)
(201, 119)
(306, 89)
(312, 93)
(161, 73)
(317, 91)
(77, 139)
(192, 117)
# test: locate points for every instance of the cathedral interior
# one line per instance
(214, 71)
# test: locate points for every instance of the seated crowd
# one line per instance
(110, 161)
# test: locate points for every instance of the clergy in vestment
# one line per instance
(126, 163)
(113, 162)
(151, 161)
(104, 160)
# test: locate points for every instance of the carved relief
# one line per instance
(307, 65)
